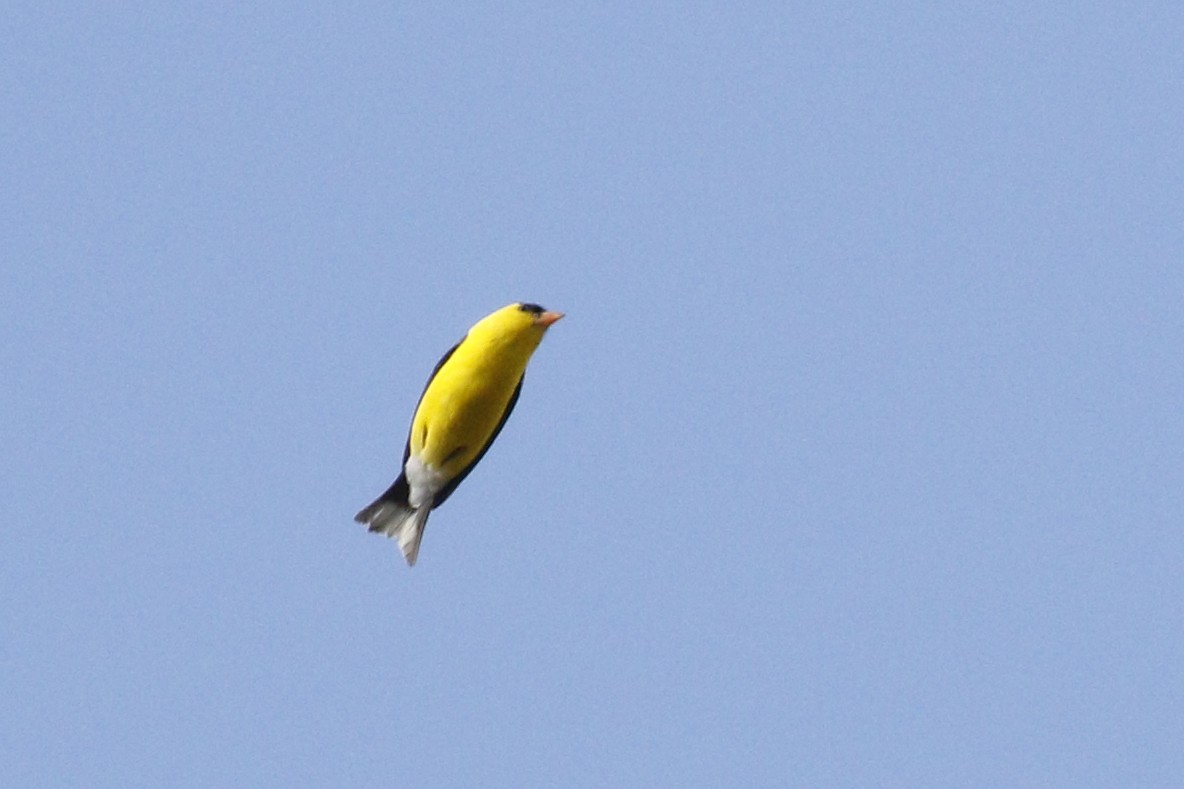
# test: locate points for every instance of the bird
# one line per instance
(463, 408)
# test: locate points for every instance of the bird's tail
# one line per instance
(397, 520)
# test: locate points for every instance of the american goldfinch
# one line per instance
(464, 405)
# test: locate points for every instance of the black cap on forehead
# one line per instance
(534, 308)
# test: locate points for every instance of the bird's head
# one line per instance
(520, 325)
(536, 314)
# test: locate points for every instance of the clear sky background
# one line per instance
(858, 460)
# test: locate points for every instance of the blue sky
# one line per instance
(856, 462)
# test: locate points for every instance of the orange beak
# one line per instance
(547, 318)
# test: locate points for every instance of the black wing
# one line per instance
(399, 491)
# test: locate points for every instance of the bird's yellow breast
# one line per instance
(466, 399)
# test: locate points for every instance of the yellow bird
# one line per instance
(464, 405)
